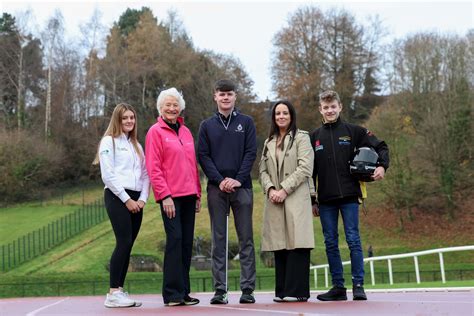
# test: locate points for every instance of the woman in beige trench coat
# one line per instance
(286, 169)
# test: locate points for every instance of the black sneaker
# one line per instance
(188, 300)
(358, 293)
(247, 297)
(220, 297)
(174, 303)
(335, 294)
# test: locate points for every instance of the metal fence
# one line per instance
(152, 285)
(389, 259)
(39, 241)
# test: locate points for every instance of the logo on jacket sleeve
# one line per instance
(317, 145)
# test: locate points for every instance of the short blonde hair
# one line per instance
(171, 92)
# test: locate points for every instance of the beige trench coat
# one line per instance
(288, 225)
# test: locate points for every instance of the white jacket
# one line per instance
(122, 168)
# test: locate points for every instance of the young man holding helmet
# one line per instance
(334, 145)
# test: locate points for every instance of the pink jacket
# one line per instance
(171, 161)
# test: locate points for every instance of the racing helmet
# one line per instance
(364, 163)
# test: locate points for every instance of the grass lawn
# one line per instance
(20, 219)
(83, 258)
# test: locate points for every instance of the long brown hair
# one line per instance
(274, 129)
(115, 128)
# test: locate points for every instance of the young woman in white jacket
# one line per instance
(123, 170)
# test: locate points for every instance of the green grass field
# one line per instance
(19, 219)
(83, 258)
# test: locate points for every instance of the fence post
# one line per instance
(19, 250)
(49, 235)
(40, 241)
(9, 265)
(417, 269)
(441, 265)
(24, 248)
(29, 249)
(52, 234)
(390, 273)
(372, 274)
(14, 254)
(34, 243)
(44, 238)
(3, 258)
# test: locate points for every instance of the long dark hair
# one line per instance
(274, 129)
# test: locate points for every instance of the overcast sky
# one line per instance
(245, 29)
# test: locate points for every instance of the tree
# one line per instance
(93, 36)
(321, 50)
(51, 36)
(20, 65)
(391, 123)
(433, 70)
(148, 44)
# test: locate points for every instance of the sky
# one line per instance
(245, 29)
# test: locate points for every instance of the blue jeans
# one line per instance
(329, 214)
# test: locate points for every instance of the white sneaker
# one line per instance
(137, 303)
(118, 299)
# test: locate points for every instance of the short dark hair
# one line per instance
(329, 96)
(224, 85)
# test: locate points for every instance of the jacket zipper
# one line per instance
(335, 162)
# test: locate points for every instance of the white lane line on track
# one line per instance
(33, 313)
(423, 302)
(272, 311)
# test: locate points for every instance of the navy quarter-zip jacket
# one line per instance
(228, 151)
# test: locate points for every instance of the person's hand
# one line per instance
(278, 196)
(271, 194)
(168, 207)
(379, 173)
(198, 205)
(132, 206)
(231, 184)
(315, 209)
(228, 185)
(141, 204)
(223, 185)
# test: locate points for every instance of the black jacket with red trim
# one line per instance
(334, 145)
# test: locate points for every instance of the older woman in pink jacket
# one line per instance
(172, 168)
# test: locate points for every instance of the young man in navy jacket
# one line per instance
(334, 144)
(226, 151)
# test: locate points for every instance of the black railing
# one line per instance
(37, 242)
(198, 284)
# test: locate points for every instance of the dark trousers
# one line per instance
(292, 273)
(126, 226)
(241, 203)
(179, 248)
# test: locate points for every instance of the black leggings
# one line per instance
(126, 226)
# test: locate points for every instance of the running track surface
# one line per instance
(448, 301)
